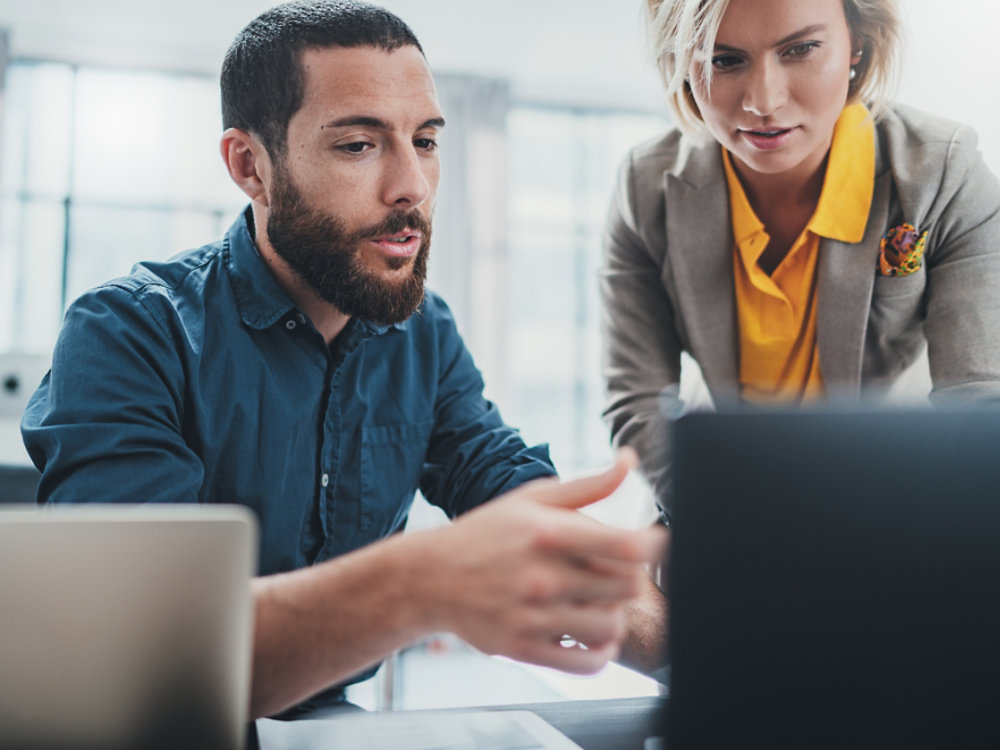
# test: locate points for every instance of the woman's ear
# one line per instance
(857, 50)
(248, 163)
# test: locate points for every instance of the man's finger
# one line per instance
(574, 659)
(578, 493)
(585, 584)
(579, 536)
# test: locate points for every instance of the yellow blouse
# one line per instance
(779, 352)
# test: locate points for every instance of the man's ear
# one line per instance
(248, 163)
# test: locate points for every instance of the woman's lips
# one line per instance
(767, 139)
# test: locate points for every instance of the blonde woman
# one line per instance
(798, 236)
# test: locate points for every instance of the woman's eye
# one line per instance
(725, 61)
(802, 49)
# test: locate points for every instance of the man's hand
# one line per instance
(529, 577)
(513, 577)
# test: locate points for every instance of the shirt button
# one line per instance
(290, 325)
(325, 480)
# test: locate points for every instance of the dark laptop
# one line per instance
(835, 580)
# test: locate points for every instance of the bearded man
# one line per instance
(298, 367)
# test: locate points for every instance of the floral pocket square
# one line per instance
(901, 251)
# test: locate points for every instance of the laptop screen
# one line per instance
(835, 580)
(125, 626)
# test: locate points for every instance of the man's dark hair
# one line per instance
(262, 80)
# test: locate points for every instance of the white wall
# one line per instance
(586, 51)
(577, 51)
(952, 66)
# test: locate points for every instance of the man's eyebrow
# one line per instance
(805, 31)
(354, 120)
(374, 122)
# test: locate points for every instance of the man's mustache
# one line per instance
(396, 222)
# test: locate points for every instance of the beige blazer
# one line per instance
(667, 281)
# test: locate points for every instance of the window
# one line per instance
(100, 168)
(562, 167)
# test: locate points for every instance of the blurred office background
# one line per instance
(109, 127)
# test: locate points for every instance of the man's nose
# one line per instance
(408, 179)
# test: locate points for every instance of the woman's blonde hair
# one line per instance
(683, 32)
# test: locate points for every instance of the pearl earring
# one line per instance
(851, 76)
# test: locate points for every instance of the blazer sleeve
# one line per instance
(962, 323)
(641, 348)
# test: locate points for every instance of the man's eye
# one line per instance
(425, 144)
(357, 147)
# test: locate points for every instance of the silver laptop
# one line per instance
(125, 626)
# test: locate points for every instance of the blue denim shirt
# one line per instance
(198, 380)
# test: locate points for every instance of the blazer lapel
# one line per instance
(846, 280)
(700, 250)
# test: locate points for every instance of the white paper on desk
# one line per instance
(415, 730)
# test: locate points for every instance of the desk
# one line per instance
(613, 724)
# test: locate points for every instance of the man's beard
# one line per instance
(326, 256)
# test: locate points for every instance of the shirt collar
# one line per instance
(848, 186)
(261, 301)
(846, 199)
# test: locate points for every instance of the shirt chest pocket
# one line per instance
(392, 457)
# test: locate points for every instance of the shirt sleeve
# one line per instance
(105, 424)
(472, 455)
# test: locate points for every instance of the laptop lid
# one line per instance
(835, 580)
(125, 626)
